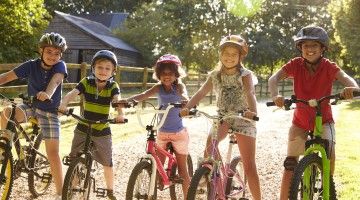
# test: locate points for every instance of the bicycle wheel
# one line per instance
(39, 178)
(236, 180)
(139, 182)
(201, 185)
(315, 189)
(176, 191)
(6, 173)
(74, 182)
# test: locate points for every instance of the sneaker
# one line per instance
(110, 195)
(57, 197)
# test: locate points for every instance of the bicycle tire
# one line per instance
(236, 166)
(296, 186)
(6, 182)
(200, 181)
(74, 182)
(39, 178)
(141, 167)
(175, 188)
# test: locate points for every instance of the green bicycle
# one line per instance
(312, 179)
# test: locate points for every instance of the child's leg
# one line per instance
(296, 146)
(222, 133)
(329, 134)
(19, 116)
(52, 151)
(183, 171)
(109, 177)
(246, 146)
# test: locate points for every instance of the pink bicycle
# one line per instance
(215, 179)
(150, 174)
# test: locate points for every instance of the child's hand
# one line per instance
(42, 96)
(347, 92)
(119, 119)
(249, 114)
(184, 112)
(62, 108)
(278, 100)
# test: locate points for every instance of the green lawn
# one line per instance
(347, 169)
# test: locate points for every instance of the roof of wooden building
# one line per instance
(110, 20)
(97, 30)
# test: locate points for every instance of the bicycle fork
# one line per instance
(325, 161)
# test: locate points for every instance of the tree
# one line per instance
(93, 6)
(21, 22)
(346, 18)
(190, 29)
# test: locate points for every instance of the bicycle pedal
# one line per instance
(66, 160)
(101, 192)
(176, 179)
(46, 178)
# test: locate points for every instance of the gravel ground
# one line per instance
(271, 149)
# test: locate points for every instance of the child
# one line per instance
(45, 76)
(234, 86)
(170, 89)
(98, 90)
(313, 78)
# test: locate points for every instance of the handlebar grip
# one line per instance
(256, 118)
(270, 103)
(126, 120)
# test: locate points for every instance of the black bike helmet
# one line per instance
(53, 40)
(315, 33)
(236, 40)
(104, 54)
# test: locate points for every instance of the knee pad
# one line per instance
(290, 163)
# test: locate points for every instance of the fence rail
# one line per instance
(193, 81)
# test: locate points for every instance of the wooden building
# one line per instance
(85, 37)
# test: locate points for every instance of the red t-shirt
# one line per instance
(315, 86)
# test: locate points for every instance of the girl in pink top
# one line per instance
(313, 77)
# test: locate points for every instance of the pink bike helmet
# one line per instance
(168, 58)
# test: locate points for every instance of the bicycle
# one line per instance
(79, 177)
(312, 179)
(29, 150)
(150, 174)
(215, 179)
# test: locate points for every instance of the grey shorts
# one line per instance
(49, 122)
(102, 149)
(296, 142)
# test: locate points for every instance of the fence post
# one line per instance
(283, 88)
(83, 67)
(118, 75)
(144, 84)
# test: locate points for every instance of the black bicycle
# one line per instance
(29, 150)
(79, 176)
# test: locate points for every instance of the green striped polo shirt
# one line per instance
(96, 104)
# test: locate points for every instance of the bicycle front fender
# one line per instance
(152, 161)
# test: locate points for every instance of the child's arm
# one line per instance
(7, 77)
(55, 81)
(249, 91)
(349, 83)
(146, 94)
(67, 98)
(120, 116)
(273, 87)
(200, 94)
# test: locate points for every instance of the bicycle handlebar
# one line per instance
(29, 100)
(124, 103)
(87, 121)
(311, 102)
(165, 112)
(217, 117)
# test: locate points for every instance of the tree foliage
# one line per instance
(346, 20)
(93, 6)
(21, 22)
(190, 29)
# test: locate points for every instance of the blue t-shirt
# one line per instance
(38, 79)
(173, 122)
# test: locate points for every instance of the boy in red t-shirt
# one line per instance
(313, 77)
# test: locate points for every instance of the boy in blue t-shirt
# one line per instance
(45, 76)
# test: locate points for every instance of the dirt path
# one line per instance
(271, 149)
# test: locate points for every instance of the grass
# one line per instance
(348, 151)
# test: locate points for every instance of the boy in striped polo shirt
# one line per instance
(99, 90)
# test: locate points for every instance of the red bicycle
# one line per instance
(150, 173)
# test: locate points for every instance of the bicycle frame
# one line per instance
(153, 150)
(219, 170)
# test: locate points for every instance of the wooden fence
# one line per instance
(192, 81)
